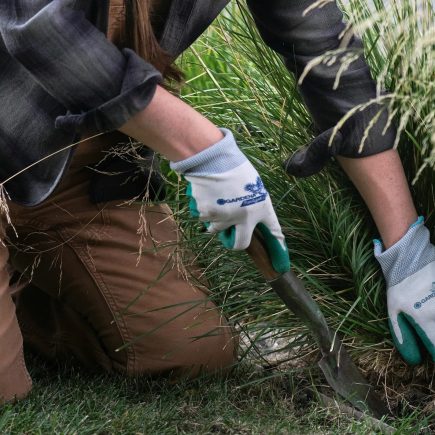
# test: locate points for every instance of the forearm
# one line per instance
(171, 127)
(381, 181)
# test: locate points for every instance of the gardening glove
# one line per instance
(227, 194)
(409, 269)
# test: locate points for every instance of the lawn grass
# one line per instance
(66, 400)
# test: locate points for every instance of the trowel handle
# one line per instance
(259, 255)
(292, 292)
(339, 370)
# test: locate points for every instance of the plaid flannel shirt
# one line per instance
(60, 76)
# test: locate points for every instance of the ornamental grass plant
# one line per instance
(238, 82)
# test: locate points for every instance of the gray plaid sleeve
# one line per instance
(100, 86)
(300, 32)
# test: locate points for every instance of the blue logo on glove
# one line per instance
(431, 295)
(258, 194)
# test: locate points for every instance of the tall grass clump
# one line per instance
(399, 38)
(239, 83)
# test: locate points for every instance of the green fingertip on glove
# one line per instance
(279, 256)
(228, 237)
(411, 334)
(193, 206)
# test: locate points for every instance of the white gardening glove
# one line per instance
(227, 194)
(409, 269)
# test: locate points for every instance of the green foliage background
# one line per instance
(239, 83)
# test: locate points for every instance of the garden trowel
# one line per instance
(339, 370)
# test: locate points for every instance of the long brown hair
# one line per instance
(137, 33)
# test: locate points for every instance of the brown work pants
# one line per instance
(94, 297)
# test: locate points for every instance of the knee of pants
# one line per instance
(15, 381)
(183, 352)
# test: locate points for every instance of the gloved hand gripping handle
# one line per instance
(339, 370)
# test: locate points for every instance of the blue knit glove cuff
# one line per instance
(407, 256)
(216, 159)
